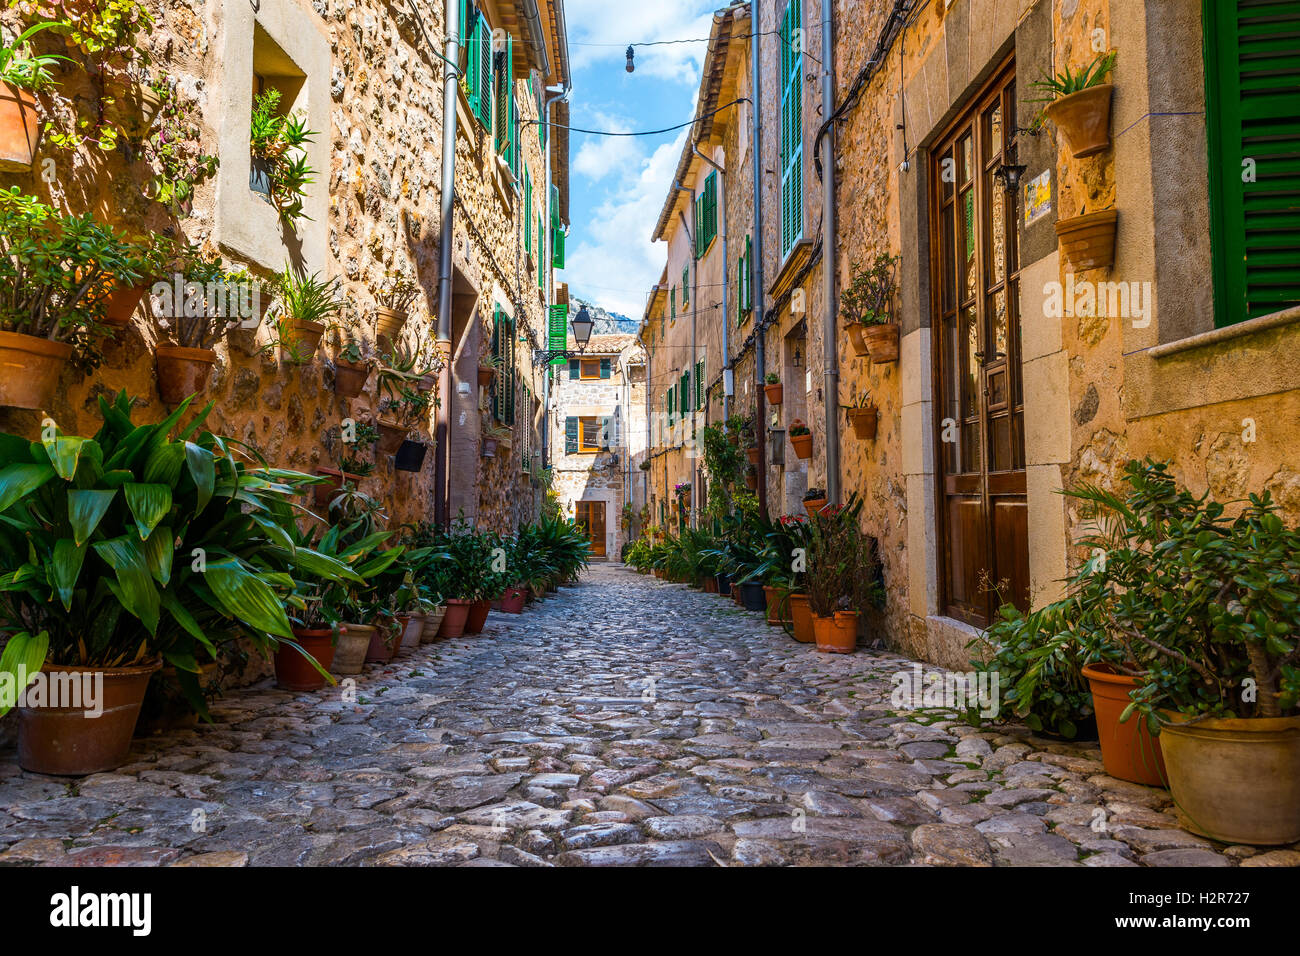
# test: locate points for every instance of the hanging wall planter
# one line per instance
(857, 340)
(882, 342)
(752, 453)
(865, 421)
(802, 444)
(122, 302)
(183, 372)
(29, 369)
(814, 505)
(426, 383)
(1088, 242)
(350, 380)
(20, 128)
(775, 393)
(485, 373)
(324, 493)
(489, 448)
(1083, 118)
(410, 456)
(391, 436)
(388, 326)
(302, 341)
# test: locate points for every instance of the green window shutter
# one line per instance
(505, 132)
(606, 435)
(528, 211)
(570, 436)
(699, 384)
(575, 369)
(697, 207)
(541, 256)
(791, 131)
(486, 99)
(512, 341)
(555, 206)
(497, 390)
(669, 402)
(1253, 122)
(557, 331)
(604, 368)
(749, 274)
(686, 286)
(557, 242)
(672, 300)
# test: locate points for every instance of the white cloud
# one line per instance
(614, 262)
(601, 156)
(598, 35)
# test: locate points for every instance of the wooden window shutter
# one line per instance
(541, 256)
(511, 371)
(486, 98)
(555, 206)
(686, 285)
(498, 406)
(505, 131)
(528, 211)
(604, 368)
(1252, 64)
(699, 384)
(557, 332)
(672, 300)
(570, 436)
(557, 244)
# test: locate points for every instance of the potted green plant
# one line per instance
(1079, 104)
(139, 545)
(1209, 607)
(773, 389)
(279, 169)
(351, 367)
(22, 75)
(801, 438)
(54, 269)
(173, 147)
(393, 302)
(867, 309)
(843, 576)
(193, 313)
(307, 303)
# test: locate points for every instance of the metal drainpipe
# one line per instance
(451, 76)
(756, 88)
(544, 249)
(829, 260)
(726, 345)
(691, 384)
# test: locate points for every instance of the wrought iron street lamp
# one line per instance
(582, 327)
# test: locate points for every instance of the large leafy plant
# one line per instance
(278, 140)
(146, 542)
(870, 295)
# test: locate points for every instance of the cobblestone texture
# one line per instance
(532, 745)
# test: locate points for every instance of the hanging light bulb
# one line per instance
(631, 67)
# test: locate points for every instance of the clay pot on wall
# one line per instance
(752, 455)
(65, 741)
(856, 339)
(20, 129)
(183, 372)
(865, 421)
(1084, 119)
(485, 373)
(302, 342)
(882, 342)
(813, 506)
(323, 494)
(388, 326)
(802, 445)
(1088, 242)
(350, 380)
(391, 436)
(775, 393)
(29, 369)
(122, 302)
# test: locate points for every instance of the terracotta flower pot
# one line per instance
(882, 342)
(29, 369)
(1084, 119)
(295, 672)
(489, 449)
(813, 506)
(323, 494)
(865, 421)
(183, 372)
(350, 652)
(837, 634)
(1128, 751)
(121, 303)
(711, 585)
(20, 128)
(1236, 780)
(857, 340)
(776, 600)
(1088, 242)
(65, 741)
(485, 373)
(391, 436)
(801, 618)
(388, 326)
(432, 622)
(802, 445)
(775, 393)
(135, 108)
(453, 624)
(512, 602)
(752, 455)
(384, 642)
(303, 341)
(350, 380)
(476, 620)
(426, 383)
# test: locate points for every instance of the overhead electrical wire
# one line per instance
(652, 132)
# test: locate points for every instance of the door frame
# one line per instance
(587, 506)
(969, 108)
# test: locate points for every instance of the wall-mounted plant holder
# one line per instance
(1083, 118)
(1088, 242)
(865, 421)
(391, 436)
(20, 129)
(410, 457)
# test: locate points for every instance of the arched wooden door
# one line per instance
(983, 519)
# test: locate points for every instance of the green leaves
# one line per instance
(149, 503)
(22, 659)
(86, 509)
(135, 584)
(246, 598)
(19, 481)
(203, 471)
(65, 568)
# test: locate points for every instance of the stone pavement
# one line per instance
(541, 742)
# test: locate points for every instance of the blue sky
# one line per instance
(618, 184)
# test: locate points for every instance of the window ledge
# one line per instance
(1227, 333)
(794, 263)
(465, 120)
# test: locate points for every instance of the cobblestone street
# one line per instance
(531, 745)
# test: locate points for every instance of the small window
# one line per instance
(589, 435)
(590, 368)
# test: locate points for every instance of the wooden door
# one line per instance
(591, 517)
(983, 517)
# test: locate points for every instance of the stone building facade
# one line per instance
(596, 433)
(368, 77)
(1011, 385)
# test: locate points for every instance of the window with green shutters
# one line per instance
(557, 248)
(541, 256)
(791, 128)
(1252, 70)
(670, 401)
(706, 216)
(557, 331)
(571, 435)
(745, 281)
(684, 391)
(503, 351)
(672, 302)
(528, 211)
(699, 384)
(686, 286)
(476, 41)
(506, 120)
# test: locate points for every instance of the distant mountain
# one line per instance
(606, 322)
